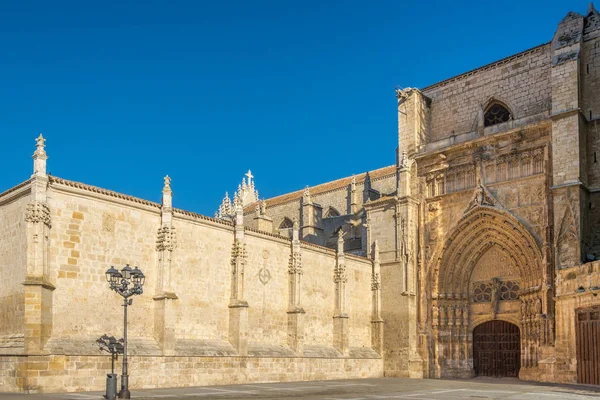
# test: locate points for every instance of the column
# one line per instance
(295, 311)
(238, 307)
(164, 313)
(340, 318)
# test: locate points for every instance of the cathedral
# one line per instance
(476, 254)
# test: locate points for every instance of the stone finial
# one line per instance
(167, 198)
(40, 156)
(591, 8)
(306, 198)
(295, 231)
(263, 206)
(353, 182)
(340, 241)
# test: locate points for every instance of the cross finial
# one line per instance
(250, 176)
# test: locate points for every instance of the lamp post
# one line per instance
(126, 283)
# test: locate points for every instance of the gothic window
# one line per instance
(286, 224)
(332, 212)
(509, 290)
(496, 113)
(482, 293)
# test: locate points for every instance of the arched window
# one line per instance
(286, 224)
(332, 212)
(496, 113)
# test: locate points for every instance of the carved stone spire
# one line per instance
(225, 209)
(167, 197)
(339, 274)
(353, 200)
(40, 157)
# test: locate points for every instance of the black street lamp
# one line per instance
(127, 283)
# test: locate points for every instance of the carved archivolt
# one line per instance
(476, 232)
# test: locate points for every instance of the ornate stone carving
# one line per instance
(38, 212)
(295, 263)
(375, 281)
(339, 273)
(481, 197)
(264, 275)
(166, 238)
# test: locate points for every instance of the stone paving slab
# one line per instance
(366, 389)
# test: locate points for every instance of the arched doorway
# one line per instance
(491, 252)
(497, 349)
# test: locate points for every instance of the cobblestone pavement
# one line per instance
(367, 389)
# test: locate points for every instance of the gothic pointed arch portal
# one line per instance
(489, 268)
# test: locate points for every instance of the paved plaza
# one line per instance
(367, 389)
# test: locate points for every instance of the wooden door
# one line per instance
(496, 349)
(588, 346)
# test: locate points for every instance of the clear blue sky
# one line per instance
(301, 92)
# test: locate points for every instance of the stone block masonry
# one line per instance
(216, 303)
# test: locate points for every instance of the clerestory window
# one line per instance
(496, 114)
(286, 224)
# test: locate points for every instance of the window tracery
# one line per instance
(496, 114)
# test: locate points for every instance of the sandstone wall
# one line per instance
(576, 288)
(93, 229)
(59, 373)
(12, 269)
(88, 235)
(521, 81)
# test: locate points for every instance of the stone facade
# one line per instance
(490, 214)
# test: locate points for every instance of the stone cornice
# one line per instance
(567, 113)
(82, 189)
(485, 140)
(38, 282)
(22, 189)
